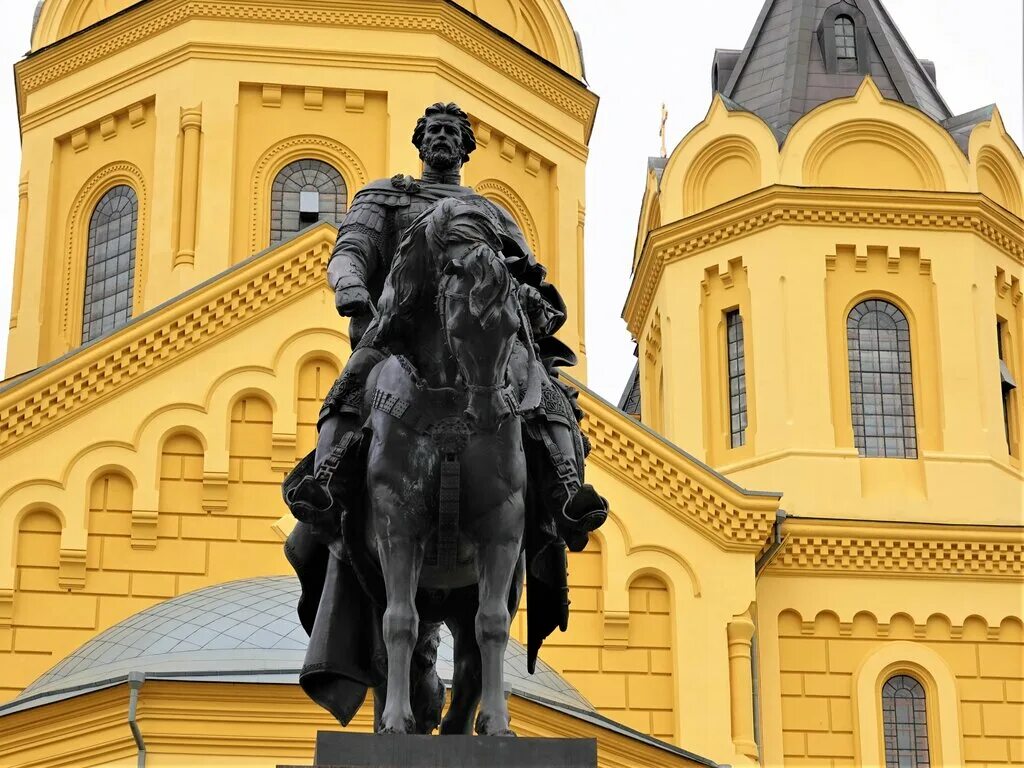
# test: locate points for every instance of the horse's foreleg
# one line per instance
(496, 563)
(400, 560)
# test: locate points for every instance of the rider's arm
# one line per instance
(357, 250)
(356, 255)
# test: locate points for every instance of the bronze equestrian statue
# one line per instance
(449, 463)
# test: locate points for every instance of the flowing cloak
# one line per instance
(342, 593)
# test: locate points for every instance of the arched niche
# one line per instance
(316, 376)
(997, 181)
(726, 169)
(699, 171)
(871, 154)
(868, 141)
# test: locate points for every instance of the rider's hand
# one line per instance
(352, 301)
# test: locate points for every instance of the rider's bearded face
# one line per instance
(442, 143)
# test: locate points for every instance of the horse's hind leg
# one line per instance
(427, 688)
(458, 720)
(400, 560)
(497, 561)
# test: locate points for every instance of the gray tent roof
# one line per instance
(781, 75)
(630, 400)
(241, 631)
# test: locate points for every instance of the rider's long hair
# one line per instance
(422, 256)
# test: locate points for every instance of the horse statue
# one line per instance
(441, 497)
(446, 471)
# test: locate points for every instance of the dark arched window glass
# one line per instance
(881, 381)
(905, 723)
(846, 44)
(305, 192)
(110, 263)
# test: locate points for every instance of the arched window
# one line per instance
(110, 263)
(881, 382)
(846, 44)
(905, 723)
(305, 192)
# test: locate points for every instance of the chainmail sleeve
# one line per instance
(361, 240)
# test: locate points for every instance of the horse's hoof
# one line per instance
(398, 729)
(489, 726)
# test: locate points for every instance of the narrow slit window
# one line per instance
(110, 263)
(881, 381)
(1008, 386)
(303, 193)
(846, 44)
(737, 379)
(905, 723)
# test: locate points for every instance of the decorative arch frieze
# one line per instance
(275, 159)
(77, 243)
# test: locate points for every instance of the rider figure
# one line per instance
(367, 240)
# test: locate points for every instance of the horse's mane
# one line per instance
(491, 283)
(420, 258)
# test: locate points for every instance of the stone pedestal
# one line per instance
(359, 750)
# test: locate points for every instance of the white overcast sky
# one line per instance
(639, 54)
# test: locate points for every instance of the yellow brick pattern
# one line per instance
(315, 380)
(631, 684)
(818, 662)
(630, 681)
(193, 549)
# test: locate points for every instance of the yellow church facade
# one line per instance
(827, 303)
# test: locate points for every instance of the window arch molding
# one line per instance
(72, 290)
(942, 705)
(282, 154)
(502, 194)
(827, 38)
(915, 358)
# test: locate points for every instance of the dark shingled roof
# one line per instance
(781, 73)
(630, 400)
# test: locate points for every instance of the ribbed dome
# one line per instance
(241, 631)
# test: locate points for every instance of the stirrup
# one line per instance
(310, 503)
(586, 511)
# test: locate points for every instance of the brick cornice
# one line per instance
(434, 17)
(865, 548)
(733, 518)
(828, 207)
(162, 337)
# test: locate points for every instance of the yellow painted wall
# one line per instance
(197, 106)
(864, 198)
(149, 463)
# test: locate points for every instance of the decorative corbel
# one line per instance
(215, 492)
(6, 608)
(71, 572)
(144, 525)
(282, 452)
(616, 629)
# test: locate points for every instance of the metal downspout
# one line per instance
(777, 541)
(135, 681)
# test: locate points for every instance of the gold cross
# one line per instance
(664, 121)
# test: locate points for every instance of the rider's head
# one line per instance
(444, 137)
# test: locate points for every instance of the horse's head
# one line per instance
(481, 318)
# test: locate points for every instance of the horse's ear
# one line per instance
(454, 267)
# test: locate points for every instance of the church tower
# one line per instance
(827, 303)
(165, 142)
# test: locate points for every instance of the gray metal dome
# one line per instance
(241, 631)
